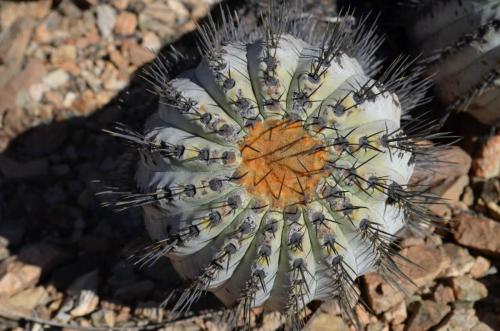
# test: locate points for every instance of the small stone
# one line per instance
(396, 314)
(468, 289)
(426, 314)
(478, 233)
(126, 23)
(109, 317)
(56, 79)
(455, 162)
(87, 303)
(381, 296)
(11, 10)
(15, 276)
(429, 260)
(70, 67)
(92, 80)
(106, 18)
(36, 92)
(468, 196)
(363, 316)
(325, 322)
(29, 298)
(63, 53)
(111, 79)
(119, 61)
(443, 294)
(271, 322)
(139, 55)
(461, 319)
(461, 261)
(151, 42)
(480, 267)
(487, 163)
(13, 44)
(69, 98)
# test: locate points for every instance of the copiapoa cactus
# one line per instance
(277, 171)
(461, 41)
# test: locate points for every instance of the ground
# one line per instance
(69, 69)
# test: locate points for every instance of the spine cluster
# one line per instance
(461, 41)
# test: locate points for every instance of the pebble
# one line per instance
(443, 294)
(461, 261)
(426, 314)
(468, 289)
(478, 233)
(462, 319)
(64, 53)
(126, 23)
(86, 303)
(380, 295)
(151, 42)
(429, 262)
(480, 267)
(15, 276)
(56, 79)
(106, 18)
(487, 163)
(29, 298)
(326, 322)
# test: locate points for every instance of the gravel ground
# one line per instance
(69, 69)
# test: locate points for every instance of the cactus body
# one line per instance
(277, 171)
(462, 42)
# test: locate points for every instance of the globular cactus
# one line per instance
(277, 171)
(461, 41)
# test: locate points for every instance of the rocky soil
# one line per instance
(69, 69)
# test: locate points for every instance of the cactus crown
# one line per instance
(277, 171)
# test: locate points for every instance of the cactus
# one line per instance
(277, 171)
(461, 41)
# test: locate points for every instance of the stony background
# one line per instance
(68, 69)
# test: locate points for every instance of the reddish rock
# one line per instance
(426, 314)
(428, 262)
(397, 314)
(13, 47)
(443, 294)
(126, 23)
(461, 261)
(321, 321)
(139, 55)
(455, 162)
(478, 233)
(480, 267)
(15, 276)
(462, 319)
(12, 10)
(380, 295)
(487, 163)
(468, 289)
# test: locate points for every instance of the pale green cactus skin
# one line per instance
(462, 42)
(277, 171)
